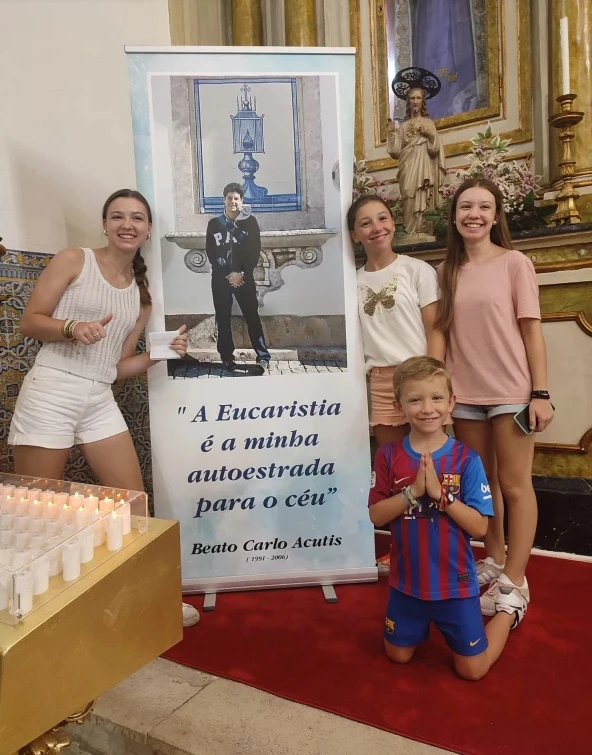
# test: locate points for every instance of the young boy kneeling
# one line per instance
(433, 491)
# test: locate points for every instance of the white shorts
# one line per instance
(483, 413)
(56, 409)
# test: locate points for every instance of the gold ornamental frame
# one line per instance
(497, 91)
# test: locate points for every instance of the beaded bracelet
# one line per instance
(409, 497)
(68, 329)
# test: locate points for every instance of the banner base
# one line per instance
(277, 581)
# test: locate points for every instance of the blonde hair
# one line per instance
(419, 368)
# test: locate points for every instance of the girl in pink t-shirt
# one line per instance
(490, 314)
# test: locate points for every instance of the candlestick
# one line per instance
(566, 212)
(564, 37)
(114, 523)
(40, 569)
(71, 560)
(86, 540)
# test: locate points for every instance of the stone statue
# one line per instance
(415, 143)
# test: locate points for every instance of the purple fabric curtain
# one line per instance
(443, 39)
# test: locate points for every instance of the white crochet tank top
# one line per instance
(91, 297)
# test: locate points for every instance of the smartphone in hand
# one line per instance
(522, 419)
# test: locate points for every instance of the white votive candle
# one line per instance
(36, 509)
(6, 554)
(21, 540)
(52, 529)
(6, 521)
(8, 490)
(23, 593)
(21, 523)
(86, 541)
(22, 507)
(68, 530)
(37, 543)
(114, 525)
(76, 500)
(9, 504)
(98, 528)
(5, 581)
(37, 527)
(40, 569)
(82, 517)
(51, 511)
(60, 499)
(106, 504)
(71, 560)
(91, 502)
(6, 537)
(564, 37)
(46, 496)
(20, 492)
(33, 493)
(66, 514)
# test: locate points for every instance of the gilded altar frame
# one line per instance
(496, 43)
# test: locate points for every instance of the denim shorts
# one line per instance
(484, 412)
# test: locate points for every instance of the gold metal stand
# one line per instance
(567, 212)
(56, 739)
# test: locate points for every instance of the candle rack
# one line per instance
(566, 212)
(53, 532)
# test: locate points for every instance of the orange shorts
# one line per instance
(382, 397)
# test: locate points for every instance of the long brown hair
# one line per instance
(138, 265)
(455, 248)
(424, 104)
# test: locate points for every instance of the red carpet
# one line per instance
(536, 699)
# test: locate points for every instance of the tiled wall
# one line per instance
(18, 274)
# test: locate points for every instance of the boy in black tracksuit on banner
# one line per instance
(233, 244)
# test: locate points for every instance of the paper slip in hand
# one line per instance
(160, 345)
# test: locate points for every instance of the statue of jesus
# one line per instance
(419, 150)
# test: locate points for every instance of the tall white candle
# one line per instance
(106, 504)
(76, 500)
(71, 560)
(6, 521)
(21, 540)
(55, 556)
(40, 569)
(99, 529)
(125, 511)
(114, 524)
(46, 496)
(21, 523)
(52, 529)
(33, 493)
(86, 540)
(51, 511)
(6, 537)
(5, 581)
(564, 35)
(8, 490)
(6, 554)
(36, 509)
(68, 530)
(9, 504)
(20, 493)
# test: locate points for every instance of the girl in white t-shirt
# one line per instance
(398, 304)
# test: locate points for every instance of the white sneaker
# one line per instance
(190, 615)
(491, 596)
(511, 601)
(487, 570)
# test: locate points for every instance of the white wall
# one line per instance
(65, 131)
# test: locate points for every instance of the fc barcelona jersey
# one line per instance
(431, 556)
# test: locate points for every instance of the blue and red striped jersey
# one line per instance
(431, 556)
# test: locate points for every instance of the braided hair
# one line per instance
(138, 265)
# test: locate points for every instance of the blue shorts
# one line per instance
(459, 619)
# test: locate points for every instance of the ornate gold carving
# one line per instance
(566, 211)
(56, 739)
(577, 317)
(247, 22)
(522, 133)
(301, 23)
(567, 448)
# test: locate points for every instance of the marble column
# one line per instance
(579, 19)
(247, 22)
(301, 23)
